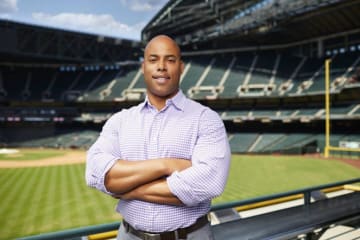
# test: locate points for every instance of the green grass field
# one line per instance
(45, 199)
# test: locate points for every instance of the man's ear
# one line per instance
(182, 66)
(142, 67)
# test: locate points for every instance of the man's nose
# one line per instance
(161, 66)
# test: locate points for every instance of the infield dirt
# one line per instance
(71, 157)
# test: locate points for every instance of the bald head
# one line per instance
(163, 40)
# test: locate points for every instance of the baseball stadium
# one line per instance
(284, 76)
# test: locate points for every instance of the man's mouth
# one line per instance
(161, 79)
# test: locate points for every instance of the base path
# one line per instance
(352, 162)
(75, 157)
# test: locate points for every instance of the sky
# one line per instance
(114, 18)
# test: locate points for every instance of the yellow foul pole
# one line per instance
(327, 107)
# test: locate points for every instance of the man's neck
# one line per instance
(159, 102)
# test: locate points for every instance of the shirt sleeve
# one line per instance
(207, 177)
(103, 154)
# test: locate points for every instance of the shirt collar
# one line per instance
(178, 101)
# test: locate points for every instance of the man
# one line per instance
(165, 159)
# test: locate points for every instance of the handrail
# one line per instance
(304, 191)
(75, 232)
(84, 231)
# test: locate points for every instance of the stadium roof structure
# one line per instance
(29, 43)
(237, 23)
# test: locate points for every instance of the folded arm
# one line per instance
(207, 177)
(125, 176)
(155, 192)
(106, 171)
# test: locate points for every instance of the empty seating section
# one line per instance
(338, 68)
(237, 75)
(76, 139)
(286, 70)
(197, 67)
(342, 110)
(347, 110)
(81, 83)
(212, 78)
(217, 71)
(352, 72)
(343, 69)
(140, 83)
(241, 142)
(51, 83)
(137, 88)
(285, 112)
(120, 83)
(223, 76)
(264, 113)
(266, 139)
(288, 141)
(356, 110)
(228, 115)
(304, 78)
(99, 83)
(344, 64)
(302, 112)
(218, 76)
(263, 69)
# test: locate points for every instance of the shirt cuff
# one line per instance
(101, 182)
(180, 189)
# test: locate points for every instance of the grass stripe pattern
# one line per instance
(44, 199)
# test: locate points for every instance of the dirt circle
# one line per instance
(72, 157)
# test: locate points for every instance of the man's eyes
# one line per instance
(172, 60)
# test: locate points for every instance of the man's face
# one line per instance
(162, 68)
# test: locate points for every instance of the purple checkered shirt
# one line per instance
(182, 129)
